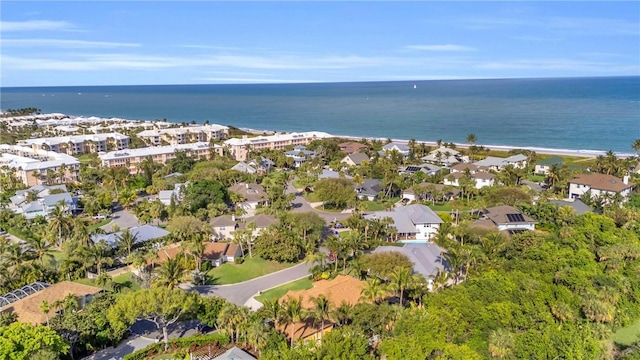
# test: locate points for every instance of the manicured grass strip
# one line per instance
(626, 336)
(125, 280)
(230, 273)
(99, 224)
(277, 293)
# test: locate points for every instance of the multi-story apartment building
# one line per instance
(37, 166)
(131, 158)
(240, 148)
(79, 144)
(184, 135)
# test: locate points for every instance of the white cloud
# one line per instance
(65, 44)
(445, 47)
(254, 80)
(35, 25)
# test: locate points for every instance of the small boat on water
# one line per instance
(415, 86)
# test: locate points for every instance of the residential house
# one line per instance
(263, 165)
(232, 253)
(40, 200)
(243, 167)
(544, 166)
(427, 258)
(426, 168)
(599, 186)
(578, 206)
(223, 227)
(467, 167)
(446, 192)
(343, 288)
(215, 252)
(355, 159)
(300, 155)
(481, 179)
(240, 148)
(234, 353)
(369, 189)
(352, 147)
(394, 146)
(518, 161)
(26, 302)
(261, 221)
(143, 234)
(506, 218)
(253, 194)
(331, 174)
(177, 194)
(413, 223)
(445, 157)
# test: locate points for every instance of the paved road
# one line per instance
(300, 204)
(532, 185)
(240, 293)
(123, 218)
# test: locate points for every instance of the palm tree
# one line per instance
(257, 334)
(126, 240)
(41, 248)
(293, 313)
(44, 306)
(471, 139)
(100, 253)
(321, 310)
(342, 314)
(195, 247)
(636, 146)
(273, 310)
(501, 344)
(60, 223)
(170, 274)
(400, 278)
(373, 291)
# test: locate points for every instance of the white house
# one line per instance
(509, 219)
(300, 155)
(393, 146)
(598, 185)
(481, 179)
(518, 161)
(414, 223)
(445, 156)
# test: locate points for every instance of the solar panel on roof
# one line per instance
(515, 217)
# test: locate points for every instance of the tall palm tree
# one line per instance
(373, 291)
(44, 306)
(293, 314)
(400, 278)
(41, 248)
(126, 240)
(321, 310)
(170, 273)
(257, 334)
(342, 314)
(273, 310)
(195, 247)
(101, 254)
(60, 223)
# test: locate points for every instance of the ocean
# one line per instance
(565, 113)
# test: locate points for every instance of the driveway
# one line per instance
(144, 333)
(242, 292)
(124, 219)
(300, 204)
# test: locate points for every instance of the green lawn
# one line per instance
(277, 293)
(626, 336)
(98, 224)
(230, 273)
(125, 280)
(311, 197)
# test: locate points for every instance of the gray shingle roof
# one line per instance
(143, 233)
(426, 258)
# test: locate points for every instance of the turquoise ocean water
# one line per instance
(571, 113)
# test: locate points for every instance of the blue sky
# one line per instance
(206, 42)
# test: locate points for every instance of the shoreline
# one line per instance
(64, 118)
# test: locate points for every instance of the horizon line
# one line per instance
(293, 82)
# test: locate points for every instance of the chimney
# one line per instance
(625, 179)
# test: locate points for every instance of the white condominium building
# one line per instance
(37, 166)
(184, 135)
(240, 148)
(79, 144)
(131, 158)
